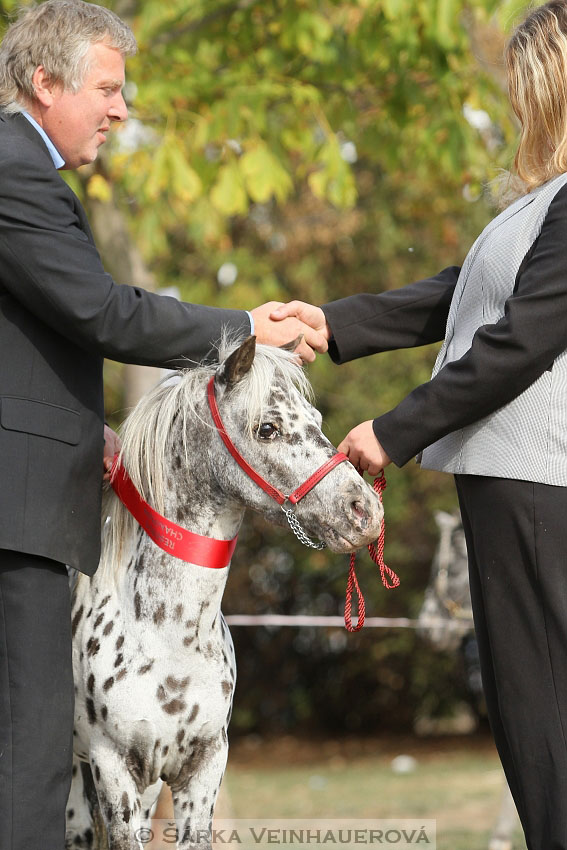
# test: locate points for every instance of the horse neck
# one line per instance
(174, 595)
(193, 497)
(148, 575)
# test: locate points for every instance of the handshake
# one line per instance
(277, 324)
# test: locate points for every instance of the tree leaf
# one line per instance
(264, 175)
(99, 188)
(228, 194)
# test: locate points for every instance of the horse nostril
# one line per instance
(360, 513)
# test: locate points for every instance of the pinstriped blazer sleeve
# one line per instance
(51, 266)
(505, 357)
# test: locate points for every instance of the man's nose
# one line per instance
(118, 110)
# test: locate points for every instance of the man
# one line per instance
(61, 79)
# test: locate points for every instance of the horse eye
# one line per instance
(267, 431)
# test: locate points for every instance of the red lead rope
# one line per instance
(388, 576)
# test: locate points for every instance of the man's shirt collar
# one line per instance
(58, 160)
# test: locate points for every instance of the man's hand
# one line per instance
(282, 330)
(308, 313)
(363, 449)
(112, 446)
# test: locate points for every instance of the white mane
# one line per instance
(148, 431)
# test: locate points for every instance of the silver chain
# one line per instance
(299, 532)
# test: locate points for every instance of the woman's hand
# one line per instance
(363, 449)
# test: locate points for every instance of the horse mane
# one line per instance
(148, 431)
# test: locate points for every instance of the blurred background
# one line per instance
(311, 149)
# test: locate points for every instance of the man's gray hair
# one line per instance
(56, 34)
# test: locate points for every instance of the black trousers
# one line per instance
(36, 702)
(516, 535)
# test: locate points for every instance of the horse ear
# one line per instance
(291, 346)
(238, 363)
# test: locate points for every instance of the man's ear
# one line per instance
(44, 86)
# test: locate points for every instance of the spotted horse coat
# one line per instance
(153, 658)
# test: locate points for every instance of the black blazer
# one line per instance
(60, 315)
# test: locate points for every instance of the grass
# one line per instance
(458, 783)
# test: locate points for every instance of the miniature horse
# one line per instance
(153, 658)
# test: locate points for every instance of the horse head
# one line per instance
(262, 397)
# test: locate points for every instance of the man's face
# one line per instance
(77, 123)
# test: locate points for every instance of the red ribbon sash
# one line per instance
(172, 538)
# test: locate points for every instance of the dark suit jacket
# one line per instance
(60, 315)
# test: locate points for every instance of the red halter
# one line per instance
(376, 553)
(268, 488)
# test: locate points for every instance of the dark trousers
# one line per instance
(36, 702)
(516, 535)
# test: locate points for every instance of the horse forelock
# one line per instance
(169, 412)
(272, 367)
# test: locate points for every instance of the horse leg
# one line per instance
(150, 830)
(194, 798)
(79, 823)
(118, 798)
(85, 827)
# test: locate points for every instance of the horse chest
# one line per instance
(165, 683)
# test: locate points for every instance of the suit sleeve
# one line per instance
(400, 318)
(49, 265)
(504, 358)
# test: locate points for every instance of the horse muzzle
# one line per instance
(355, 524)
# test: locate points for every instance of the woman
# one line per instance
(495, 415)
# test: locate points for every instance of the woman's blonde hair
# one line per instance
(56, 34)
(536, 64)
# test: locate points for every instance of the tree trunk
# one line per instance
(124, 262)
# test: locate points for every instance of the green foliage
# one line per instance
(253, 102)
